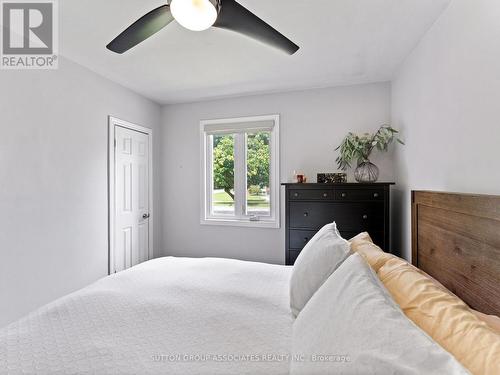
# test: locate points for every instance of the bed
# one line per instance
(168, 315)
(220, 316)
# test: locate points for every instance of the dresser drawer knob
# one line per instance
(325, 195)
(343, 195)
(375, 195)
(296, 195)
(306, 214)
(365, 217)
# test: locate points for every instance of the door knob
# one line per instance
(145, 216)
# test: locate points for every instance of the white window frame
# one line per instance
(239, 125)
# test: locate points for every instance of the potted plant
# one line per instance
(355, 147)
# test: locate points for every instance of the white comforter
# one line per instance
(165, 316)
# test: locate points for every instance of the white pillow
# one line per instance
(357, 327)
(316, 262)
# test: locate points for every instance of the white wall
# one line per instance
(312, 125)
(446, 99)
(53, 180)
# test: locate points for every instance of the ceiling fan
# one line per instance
(198, 15)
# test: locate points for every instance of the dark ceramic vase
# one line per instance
(366, 172)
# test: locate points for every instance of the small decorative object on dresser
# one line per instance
(354, 207)
(332, 178)
(299, 178)
(355, 147)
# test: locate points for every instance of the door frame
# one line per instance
(113, 122)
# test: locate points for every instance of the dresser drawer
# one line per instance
(313, 194)
(299, 238)
(349, 195)
(355, 217)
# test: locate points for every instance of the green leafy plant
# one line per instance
(356, 147)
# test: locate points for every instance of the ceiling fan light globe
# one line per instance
(195, 15)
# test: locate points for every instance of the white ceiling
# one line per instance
(342, 42)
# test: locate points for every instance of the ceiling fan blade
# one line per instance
(236, 17)
(142, 29)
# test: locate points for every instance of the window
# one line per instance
(240, 171)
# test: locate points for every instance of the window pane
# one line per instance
(223, 175)
(258, 167)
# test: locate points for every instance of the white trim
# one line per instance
(241, 223)
(240, 167)
(240, 218)
(244, 126)
(113, 122)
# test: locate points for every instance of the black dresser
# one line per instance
(354, 207)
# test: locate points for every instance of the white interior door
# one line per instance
(131, 233)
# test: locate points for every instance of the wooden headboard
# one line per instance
(456, 240)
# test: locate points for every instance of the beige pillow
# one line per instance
(374, 255)
(364, 236)
(492, 321)
(443, 316)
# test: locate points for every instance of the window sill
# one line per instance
(270, 224)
